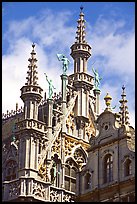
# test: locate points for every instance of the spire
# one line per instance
(80, 50)
(32, 73)
(80, 38)
(31, 92)
(124, 109)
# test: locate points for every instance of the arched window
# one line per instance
(87, 180)
(11, 170)
(127, 167)
(108, 168)
(70, 175)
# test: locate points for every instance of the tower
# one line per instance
(55, 154)
(80, 80)
(29, 132)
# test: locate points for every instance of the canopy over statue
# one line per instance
(97, 78)
(51, 87)
(65, 62)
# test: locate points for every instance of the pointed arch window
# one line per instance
(127, 167)
(108, 168)
(70, 175)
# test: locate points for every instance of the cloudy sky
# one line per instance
(52, 27)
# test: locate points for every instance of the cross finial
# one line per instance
(81, 8)
(123, 87)
(33, 45)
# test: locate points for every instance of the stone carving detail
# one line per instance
(43, 172)
(70, 124)
(88, 129)
(43, 146)
(67, 198)
(69, 144)
(54, 196)
(39, 190)
(14, 189)
(56, 145)
(79, 156)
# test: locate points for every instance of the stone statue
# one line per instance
(51, 87)
(53, 172)
(65, 62)
(97, 78)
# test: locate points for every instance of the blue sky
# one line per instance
(52, 26)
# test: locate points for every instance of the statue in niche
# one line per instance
(53, 172)
(51, 87)
(65, 62)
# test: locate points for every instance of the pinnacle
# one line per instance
(32, 73)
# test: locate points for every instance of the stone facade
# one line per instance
(109, 174)
(61, 149)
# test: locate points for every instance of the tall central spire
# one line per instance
(80, 50)
(80, 38)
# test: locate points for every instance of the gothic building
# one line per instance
(61, 148)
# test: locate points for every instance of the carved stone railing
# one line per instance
(31, 124)
(60, 195)
(81, 46)
(80, 77)
(11, 190)
(26, 187)
(36, 189)
(12, 113)
(31, 89)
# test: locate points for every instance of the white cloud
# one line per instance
(114, 57)
(113, 52)
(47, 31)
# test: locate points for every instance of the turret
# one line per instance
(31, 92)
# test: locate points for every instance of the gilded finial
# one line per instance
(108, 99)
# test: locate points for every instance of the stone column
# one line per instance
(97, 94)
(50, 115)
(63, 160)
(64, 97)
